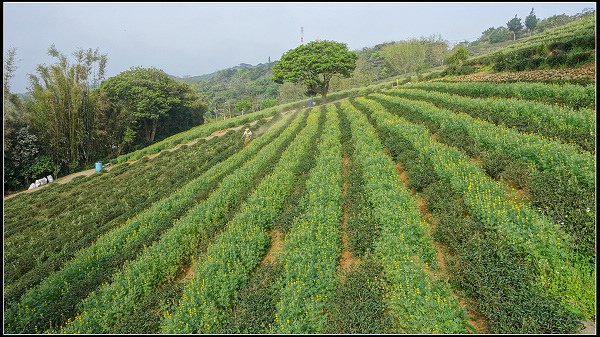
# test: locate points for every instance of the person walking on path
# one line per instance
(247, 137)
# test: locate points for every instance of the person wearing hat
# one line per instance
(247, 136)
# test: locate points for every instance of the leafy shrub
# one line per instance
(41, 167)
(578, 58)
(571, 205)
(518, 173)
(357, 306)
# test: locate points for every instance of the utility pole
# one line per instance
(301, 35)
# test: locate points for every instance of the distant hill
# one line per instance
(235, 83)
(226, 87)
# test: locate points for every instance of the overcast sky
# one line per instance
(200, 38)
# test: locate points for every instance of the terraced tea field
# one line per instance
(463, 207)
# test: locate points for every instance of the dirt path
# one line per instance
(61, 180)
(275, 249)
(589, 328)
(347, 259)
(476, 321)
(218, 133)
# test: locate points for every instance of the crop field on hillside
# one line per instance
(454, 207)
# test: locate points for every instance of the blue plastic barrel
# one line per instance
(98, 166)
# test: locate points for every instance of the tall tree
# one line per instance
(436, 51)
(553, 21)
(515, 26)
(9, 70)
(289, 91)
(62, 109)
(495, 35)
(314, 64)
(146, 93)
(21, 149)
(149, 94)
(459, 55)
(22, 162)
(244, 104)
(405, 56)
(531, 21)
(500, 34)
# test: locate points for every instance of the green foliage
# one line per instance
(183, 118)
(456, 61)
(546, 49)
(517, 173)
(501, 34)
(9, 71)
(85, 270)
(229, 260)
(357, 305)
(494, 274)
(198, 132)
(572, 96)
(115, 262)
(520, 146)
(312, 247)
(41, 167)
(230, 85)
(256, 306)
(160, 262)
(314, 64)
(21, 149)
(405, 56)
(476, 136)
(244, 105)
(361, 228)
(417, 302)
(531, 21)
(115, 193)
(289, 91)
(564, 197)
(268, 103)
(516, 231)
(515, 26)
(495, 35)
(414, 55)
(553, 21)
(149, 94)
(63, 113)
(576, 127)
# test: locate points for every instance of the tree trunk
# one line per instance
(325, 89)
(514, 36)
(153, 131)
(147, 132)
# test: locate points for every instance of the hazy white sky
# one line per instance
(199, 38)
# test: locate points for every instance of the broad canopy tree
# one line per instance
(149, 94)
(314, 64)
